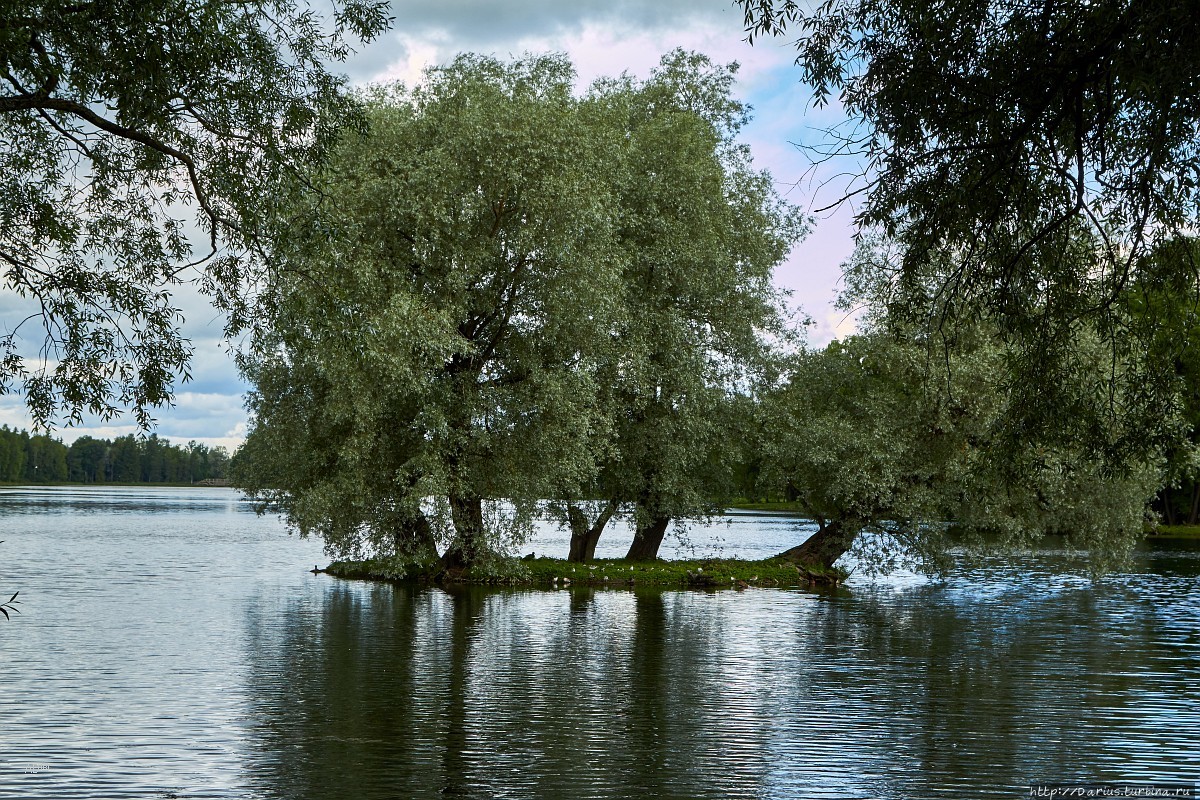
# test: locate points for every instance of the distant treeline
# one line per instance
(40, 459)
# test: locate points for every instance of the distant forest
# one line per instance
(26, 458)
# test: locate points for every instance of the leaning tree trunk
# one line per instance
(647, 539)
(821, 549)
(583, 536)
(468, 545)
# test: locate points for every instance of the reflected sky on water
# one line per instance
(173, 644)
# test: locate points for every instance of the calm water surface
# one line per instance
(172, 644)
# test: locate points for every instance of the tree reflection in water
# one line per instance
(960, 690)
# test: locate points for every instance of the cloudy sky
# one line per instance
(602, 37)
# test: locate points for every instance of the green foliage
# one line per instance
(46, 460)
(1175, 532)
(602, 573)
(41, 459)
(114, 116)
(391, 568)
(780, 506)
(896, 437)
(1005, 123)
(1030, 158)
(1161, 310)
(130, 459)
(31, 459)
(510, 293)
(702, 230)
(435, 335)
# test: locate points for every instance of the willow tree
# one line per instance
(122, 123)
(701, 231)
(510, 293)
(995, 136)
(892, 444)
(436, 333)
(1161, 310)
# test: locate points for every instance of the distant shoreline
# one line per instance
(1174, 532)
(207, 483)
(1161, 532)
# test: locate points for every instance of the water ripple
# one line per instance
(174, 645)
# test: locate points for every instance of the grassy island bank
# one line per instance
(551, 573)
(768, 505)
(1175, 532)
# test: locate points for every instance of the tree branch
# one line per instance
(40, 102)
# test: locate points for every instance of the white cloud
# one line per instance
(608, 39)
(602, 37)
(438, 31)
(832, 324)
(411, 58)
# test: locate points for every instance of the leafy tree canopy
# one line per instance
(115, 115)
(445, 299)
(890, 448)
(500, 281)
(702, 231)
(1029, 156)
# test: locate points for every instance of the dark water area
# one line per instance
(172, 644)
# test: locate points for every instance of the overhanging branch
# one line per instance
(40, 102)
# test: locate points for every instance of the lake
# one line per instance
(172, 644)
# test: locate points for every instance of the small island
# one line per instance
(608, 573)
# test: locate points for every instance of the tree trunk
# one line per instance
(1195, 503)
(468, 545)
(1168, 512)
(583, 536)
(413, 537)
(647, 539)
(821, 549)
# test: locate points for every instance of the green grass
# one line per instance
(607, 573)
(1175, 532)
(774, 505)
